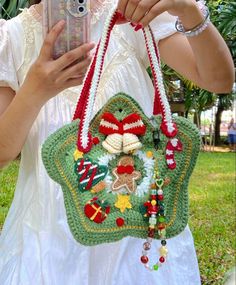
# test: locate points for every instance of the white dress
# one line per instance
(36, 246)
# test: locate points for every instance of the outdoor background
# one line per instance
(212, 186)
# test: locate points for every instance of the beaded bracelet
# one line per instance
(199, 28)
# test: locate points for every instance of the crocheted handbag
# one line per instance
(122, 173)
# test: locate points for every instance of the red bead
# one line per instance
(151, 233)
(96, 140)
(160, 197)
(161, 226)
(162, 259)
(144, 259)
(153, 197)
(120, 222)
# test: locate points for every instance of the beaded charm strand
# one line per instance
(156, 213)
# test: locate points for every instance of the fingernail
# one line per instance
(120, 14)
(62, 23)
(138, 27)
(132, 24)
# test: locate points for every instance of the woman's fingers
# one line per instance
(75, 71)
(142, 9)
(48, 44)
(76, 54)
(74, 82)
(130, 9)
(122, 5)
(142, 12)
(155, 11)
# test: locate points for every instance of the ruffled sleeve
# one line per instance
(8, 70)
(163, 26)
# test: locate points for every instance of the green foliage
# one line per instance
(10, 8)
(199, 99)
(223, 15)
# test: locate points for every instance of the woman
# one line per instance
(232, 135)
(36, 244)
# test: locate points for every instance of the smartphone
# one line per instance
(76, 14)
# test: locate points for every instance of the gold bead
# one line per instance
(153, 202)
(163, 251)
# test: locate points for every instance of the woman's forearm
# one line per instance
(16, 122)
(214, 62)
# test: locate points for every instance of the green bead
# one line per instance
(161, 219)
(155, 267)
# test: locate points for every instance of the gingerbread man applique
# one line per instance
(125, 175)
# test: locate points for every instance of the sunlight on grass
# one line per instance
(212, 212)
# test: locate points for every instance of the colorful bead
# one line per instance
(153, 202)
(162, 259)
(146, 246)
(159, 182)
(160, 192)
(160, 197)
(162, 219)
(151, 233)
(153, 186)
(144, 259)
(163, 242)
(155, 267)
(152, 221)
(163, 251)
(161, 226)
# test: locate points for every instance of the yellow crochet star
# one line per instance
(123, 202)
(78, 154)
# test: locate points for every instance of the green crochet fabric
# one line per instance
(57, 155)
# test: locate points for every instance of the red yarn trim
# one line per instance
(89, 146)
(90, 183)
(85, 93)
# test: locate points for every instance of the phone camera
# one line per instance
(81, 1)
(81, 9)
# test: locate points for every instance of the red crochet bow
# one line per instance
(122, 169)
(131, 124)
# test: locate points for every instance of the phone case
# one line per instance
(76, 14)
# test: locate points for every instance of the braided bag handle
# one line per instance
(86, 102)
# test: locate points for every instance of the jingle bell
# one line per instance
(113, 143)
(130, 142)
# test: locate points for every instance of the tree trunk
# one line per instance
(197, 119)
(218, 115)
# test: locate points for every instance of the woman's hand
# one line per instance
(48, 77)
(142, 12)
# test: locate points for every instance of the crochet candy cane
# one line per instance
(86, 102)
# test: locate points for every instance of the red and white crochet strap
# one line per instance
(85, 105)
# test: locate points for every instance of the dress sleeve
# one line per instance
(8, 70)
(163, 26)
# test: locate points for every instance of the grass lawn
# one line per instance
(212, 212)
